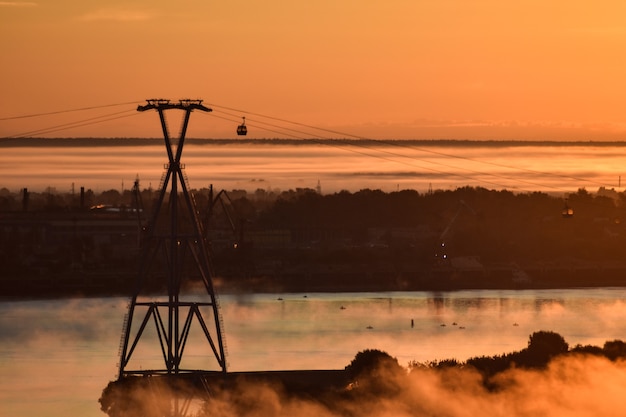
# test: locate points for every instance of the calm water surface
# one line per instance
(56, 356)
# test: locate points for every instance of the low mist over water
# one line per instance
(102, 164)
(60, 354)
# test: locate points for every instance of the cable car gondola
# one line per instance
(242, 130)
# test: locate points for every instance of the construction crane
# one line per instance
(227, 209)
(441, 251)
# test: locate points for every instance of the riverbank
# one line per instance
(357, 278)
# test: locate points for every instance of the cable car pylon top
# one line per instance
(165, 104)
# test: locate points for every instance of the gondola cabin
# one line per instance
(242, 130)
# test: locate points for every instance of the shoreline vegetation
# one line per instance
(374, 379)
(301, 241)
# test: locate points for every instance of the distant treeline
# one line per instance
(543, 347)
(300, 240)
(493, 225)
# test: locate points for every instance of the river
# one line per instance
(56, 356)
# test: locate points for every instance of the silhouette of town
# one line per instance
(302, 241)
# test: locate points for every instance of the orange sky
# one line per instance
(487, 69)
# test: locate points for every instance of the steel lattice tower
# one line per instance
(174, 250)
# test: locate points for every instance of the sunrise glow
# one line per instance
(383, 208)
(383, 69)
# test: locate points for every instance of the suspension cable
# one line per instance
(25, 116)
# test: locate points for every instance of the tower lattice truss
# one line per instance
(173, 324)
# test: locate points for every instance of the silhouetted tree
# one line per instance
(543, 346)
(615, 349)
(375, 371)
(490, 365)
(588, 350)
(368, 360)
(112, 197)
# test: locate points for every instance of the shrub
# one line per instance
(615, 349)
(543, 346)
(375, 372)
